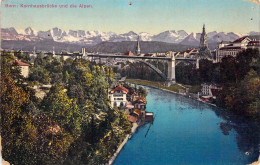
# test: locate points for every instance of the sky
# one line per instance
(152, 16)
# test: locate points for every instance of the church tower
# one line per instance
(204, 51)
(138, 50)
(203, 38)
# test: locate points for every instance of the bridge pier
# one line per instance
(171, 71)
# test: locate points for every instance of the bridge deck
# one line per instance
(136, 57)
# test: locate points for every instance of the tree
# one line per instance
(142, 92)
(17, 129)
(63, 110)
(206, 70)
(228, 70)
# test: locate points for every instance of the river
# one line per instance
(186, 131)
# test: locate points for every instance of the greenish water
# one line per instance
(186, 131)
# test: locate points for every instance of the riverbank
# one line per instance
(113, 158)
(159, 85)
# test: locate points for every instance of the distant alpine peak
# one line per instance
(94, 37)
(130, 33)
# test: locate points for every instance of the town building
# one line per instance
(149, 55)
(117, 96)
(135, 116)
(232, 48)
(254, 44)
(209, 90)
(140, 103)
(189, 53)
(23, 66)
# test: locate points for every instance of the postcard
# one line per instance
(149, 82)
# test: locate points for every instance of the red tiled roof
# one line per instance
(20, 63)
(119, 88)
(129, 53)
(193, 53)
(140, 100)
(137, 111)
(188, 51)
(240, 39)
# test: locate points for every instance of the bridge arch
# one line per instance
(159, 72)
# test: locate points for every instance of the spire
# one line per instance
(204, 51)
(203, 38)
(138, 50)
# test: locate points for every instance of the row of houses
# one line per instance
(136, 106)
(235, 47)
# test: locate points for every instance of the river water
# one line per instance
(186, 131)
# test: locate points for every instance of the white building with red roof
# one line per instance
(23, 66)
(117, 96)
(232, 48)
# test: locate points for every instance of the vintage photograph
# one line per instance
(130, 82)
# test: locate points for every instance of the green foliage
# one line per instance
(23, 56)
(186, 74)
(40, 74)
(240, 80)
(71, 125)
(17, 129)
(63, 110)
(142, 92)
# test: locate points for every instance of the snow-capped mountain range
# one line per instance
(95, 37)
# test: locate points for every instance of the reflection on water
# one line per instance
(186, 131)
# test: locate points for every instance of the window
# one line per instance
(121, 104)
(115, 104)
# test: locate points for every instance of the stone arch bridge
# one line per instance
(172, 62)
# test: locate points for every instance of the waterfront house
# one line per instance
(135, 116)
(209, 90)
(117, 96)
(140, 103)
(23, 66)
